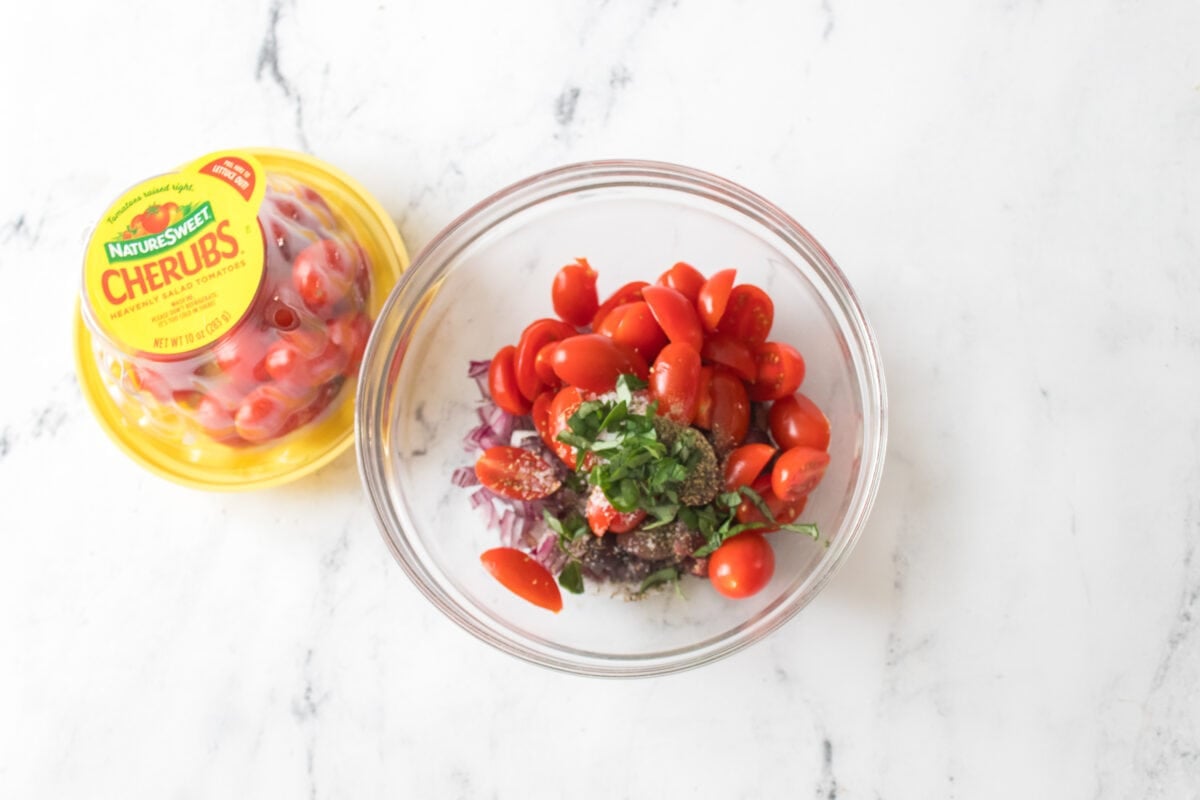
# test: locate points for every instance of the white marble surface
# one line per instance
(1012, 187)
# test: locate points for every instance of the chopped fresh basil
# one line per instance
(656, 578)
(571, 577)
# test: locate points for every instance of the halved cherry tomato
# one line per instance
(780, 371)
(633, 324)
(537, 334)
(629, 293)
(798, 471)
(574, 293)
(593, 362)
(745, 463)
(602, 517)
(564, 405)
(730, 410)
(541, 417)
(721, 348)
(713, 297)
(703, 418)
(675, 314)
(675, 382)
(502, 382)
(784, 511)
(742, 566)
(516, 473)
(796, 421)
(683, 278)
(749, 314)
(524, 577)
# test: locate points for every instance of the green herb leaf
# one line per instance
(571, 577)
(661, 576)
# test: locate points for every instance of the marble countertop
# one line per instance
(1013, 188)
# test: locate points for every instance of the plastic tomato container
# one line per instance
(223, 315)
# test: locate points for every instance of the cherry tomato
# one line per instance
(633, 325)
(215, 418)
(676, 315)
(703, 418)
(350, 332)
(796, 421)
(780, 371)
(262, 415)
(516, 473)
(723, 349)
(286, 364)
(629, 293)
(741, 566)
(327, 365)
(713, 297)
(564, 405)
(574, 293)
(675, 382)
(602, 517)
(683, 278)
(543, 365)
(745, 463)
(173, 213)
(523, 576)
(784, 511)
(541, 417)
(798, 471)
(730, 410)
(593, 362)
(323, 273)
(242, 356)
(749, 314)
(142, 379)
(537, 335)
(502, 382)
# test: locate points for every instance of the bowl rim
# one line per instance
(607, 173)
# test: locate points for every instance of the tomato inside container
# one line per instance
(224, 312)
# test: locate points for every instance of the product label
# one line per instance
(177, 260)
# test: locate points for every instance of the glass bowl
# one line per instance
(487, 275)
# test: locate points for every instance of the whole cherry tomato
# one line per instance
(323, 273)
(798, 471)
(543, 365)
(350, 332)
(502, 382)
(629, 293)
(633, 325)
(574, 293)
(741, 566)
(780, 371)
(593, 362)
(784, 511)
(516, 473)
(723, 349)
(602, 517)
(523, 576)
(683, 278)
(215, 418)
(744, 464)
(749, 314)
(262, 415)
(675, 314)
(537, 335)
(703, 418)
(327, 365)
(795, 421)
(730, 410)
(241, 356)
(675, 382)
(286, 364)
(713, 297)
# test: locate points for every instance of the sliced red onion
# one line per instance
(464, 476)
(480, 496)
(548, 554)
(477, 368)
(508, 528)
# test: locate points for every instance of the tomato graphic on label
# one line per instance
(155, 218)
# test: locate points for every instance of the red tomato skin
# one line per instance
(723, 349)
(749, 314)
(780, 371)
(602, 517)
(537, 335)
(564, 404)
(541, 417)
(573, 293)
(676, 315)
(675, 382)
(323, 273)
(262, 414)
(704, 405)
(516, 473)
(742, 566)
(798, 471)
(629, 293)
(744, 464)
(796, 421)
(350, 333)
(524, 577)
(593, 362)
(730, 410)
(683, 278)
(633, 325)
(713, 297)
(784, 511)
(502, 382)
